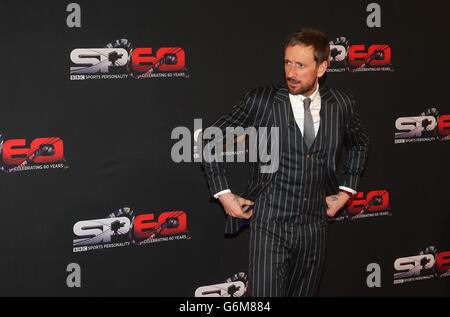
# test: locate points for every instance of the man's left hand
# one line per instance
(336, 203)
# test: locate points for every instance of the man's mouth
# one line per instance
(293, 83)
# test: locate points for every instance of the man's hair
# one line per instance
(314, 38)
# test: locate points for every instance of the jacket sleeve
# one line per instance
(212, 164)
(356, 141)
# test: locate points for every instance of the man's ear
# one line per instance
(322, 68)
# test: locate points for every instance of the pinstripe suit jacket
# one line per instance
(268, 107)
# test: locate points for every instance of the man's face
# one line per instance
(301, 70)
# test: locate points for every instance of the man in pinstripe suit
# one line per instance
(288, 227)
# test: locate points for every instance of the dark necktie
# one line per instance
(308, 124)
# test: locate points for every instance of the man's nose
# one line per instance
(290, 72)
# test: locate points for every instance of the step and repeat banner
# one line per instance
(102, 105)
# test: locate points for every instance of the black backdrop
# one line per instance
(117, 140)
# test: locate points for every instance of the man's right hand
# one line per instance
(236, 206)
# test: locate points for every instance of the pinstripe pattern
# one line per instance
(270, 107)
(288, 230)
(286, 259)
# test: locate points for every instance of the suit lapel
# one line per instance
(281, 107)
(326, 116)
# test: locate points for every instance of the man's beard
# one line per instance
(302, 90)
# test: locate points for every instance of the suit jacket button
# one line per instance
(307, 156)
(304, 199)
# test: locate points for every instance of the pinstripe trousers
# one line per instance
(285, 259)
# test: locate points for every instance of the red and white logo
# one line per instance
(359, 57)
(26, 154)
(430, 125)
(428, 264)
(120, 60)
(123, 228)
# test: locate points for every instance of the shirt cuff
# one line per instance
(347, 189)
(222, 192)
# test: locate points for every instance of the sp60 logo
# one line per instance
(234, 286)
(359, 57)
(123, 228)
(371, 204)
(429, 126)
(426, 265)
(120, 60)
(38, 153)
